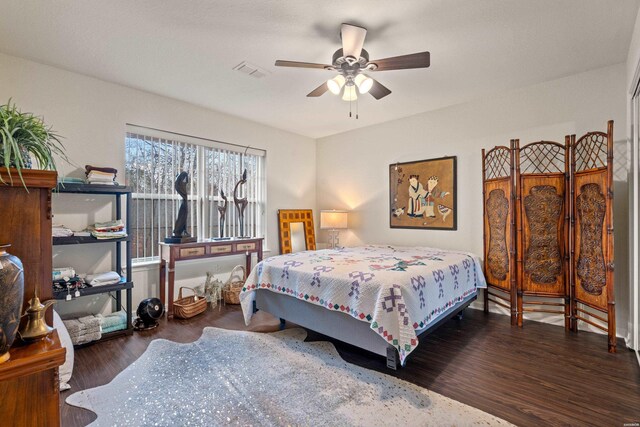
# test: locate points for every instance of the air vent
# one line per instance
(251, 70)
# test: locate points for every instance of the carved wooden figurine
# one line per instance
(180, 234)
(241, 203)
(223, 212)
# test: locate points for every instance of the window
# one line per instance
(154, 159)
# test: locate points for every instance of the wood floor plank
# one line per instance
(534, 376)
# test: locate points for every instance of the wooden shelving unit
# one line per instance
(126, 284)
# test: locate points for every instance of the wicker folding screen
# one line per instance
(548, 229)
(542, 228)
(499, 228)
(592, 232)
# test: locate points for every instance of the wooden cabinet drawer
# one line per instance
(245, 246)
(220, 249)
(190, 252)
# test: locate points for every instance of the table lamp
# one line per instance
(333, 221)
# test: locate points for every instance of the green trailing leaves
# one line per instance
(25, 136)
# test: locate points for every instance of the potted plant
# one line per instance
(24, 137)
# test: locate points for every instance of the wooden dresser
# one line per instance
(29, 384)
(29, 380)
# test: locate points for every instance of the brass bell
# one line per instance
(36, 328)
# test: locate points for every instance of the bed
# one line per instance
(379, 298)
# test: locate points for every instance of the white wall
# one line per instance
(91, 114)
(353, 166)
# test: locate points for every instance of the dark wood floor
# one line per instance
(538, 375)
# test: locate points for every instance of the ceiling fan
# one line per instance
(352, 61)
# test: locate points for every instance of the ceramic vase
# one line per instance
(11, 295)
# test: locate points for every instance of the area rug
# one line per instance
(255, 379)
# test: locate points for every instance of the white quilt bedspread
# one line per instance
(398, 290)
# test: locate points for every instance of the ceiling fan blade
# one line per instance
(320, 90)
(295, 64)
(352, 39)
(414, 60)
(378, 90)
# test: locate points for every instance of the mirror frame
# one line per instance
(285, 218)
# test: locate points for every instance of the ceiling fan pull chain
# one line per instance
(357, 109)
(349, 107)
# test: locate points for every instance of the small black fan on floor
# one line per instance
(149, 311)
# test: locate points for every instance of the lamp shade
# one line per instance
(335, 84)
(332, 219)
(363, 82)
(349, 93)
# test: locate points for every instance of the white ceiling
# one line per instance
(187, 49)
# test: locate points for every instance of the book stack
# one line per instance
(101, 175)
(108, 230)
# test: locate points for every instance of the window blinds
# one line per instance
(152, 164)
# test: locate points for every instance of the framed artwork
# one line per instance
(422, 194)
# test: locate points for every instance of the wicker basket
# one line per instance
(186, 308)
(233, 286)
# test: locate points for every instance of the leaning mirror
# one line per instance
(296, 230)
(298, 242)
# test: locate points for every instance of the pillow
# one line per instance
(67, 368)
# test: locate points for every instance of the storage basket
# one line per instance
(233, 286)
(187, 307)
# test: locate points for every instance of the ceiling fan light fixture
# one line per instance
(349, 93)
(335, 84)
(351, 61)
(363, 82)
